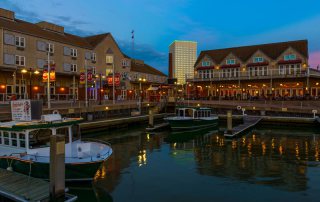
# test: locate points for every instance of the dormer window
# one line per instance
(20, 41)
(231, 61)
(205, 63)
(258, 59)
(290, 57)
(74, 52)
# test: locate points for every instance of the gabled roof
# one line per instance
(96, 39)
(24, 27)
(145, 68)
(272, 50)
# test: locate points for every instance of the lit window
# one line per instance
(74, 52)
(20, 41)
(290, 57)
(109, 59)
(231, 61)
(73, 68)
(258, 59)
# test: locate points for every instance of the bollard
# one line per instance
(229, 121)
(151, 117)
(314, 113)
(57, 167)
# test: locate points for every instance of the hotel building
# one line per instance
(29, 47)
(276, 70)
(182, 56)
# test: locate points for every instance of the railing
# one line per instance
(247, 75)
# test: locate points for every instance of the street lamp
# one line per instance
(30, 74)
(140, 92)
(100, 86)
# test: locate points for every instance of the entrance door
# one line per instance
(123, 94)
(75, 93)
(52, 90)
(92, 94)
(21, 88)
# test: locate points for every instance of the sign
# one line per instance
(82, 76)
(21, 110)
(116, 80)
(89, 76)
(52, 73)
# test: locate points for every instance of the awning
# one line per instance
(153, 88)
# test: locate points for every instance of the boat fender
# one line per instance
(55, 112)
(64, 118)
(9, 168)
(238, 107)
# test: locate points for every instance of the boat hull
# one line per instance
(192, 124)
(73, 172)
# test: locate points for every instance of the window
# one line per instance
(205, 63)
(94, 57)
(50, 48)
(231, 61)
(73, 68)
(290, 57)
(74, 52)
(20, 41)
(109, 59)
(20, 60)
(94, 70)
(258, 59)
(125, 63)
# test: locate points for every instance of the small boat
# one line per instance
(25, 148)
(192, 118)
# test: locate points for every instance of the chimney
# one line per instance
(6, 14)
(51, 27)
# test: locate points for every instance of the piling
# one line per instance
(151, 117)
(229, 121)
(57, 167)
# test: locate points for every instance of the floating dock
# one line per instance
(22, 188)
(248, 122)
(157, 127)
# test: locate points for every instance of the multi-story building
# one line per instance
(268, 70)
(30, 47)
(182, 56)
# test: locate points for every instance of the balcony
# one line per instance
(249, 75)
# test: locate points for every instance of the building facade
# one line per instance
(277, 71)
(31, 47)
(182, 57)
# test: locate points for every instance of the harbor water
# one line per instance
(265, 164)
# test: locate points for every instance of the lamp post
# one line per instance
(113, 87)
(100, 87)
(30, 77)
(140, 92)
(48, 83)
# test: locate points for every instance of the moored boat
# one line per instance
(192, 118)
(25, 148)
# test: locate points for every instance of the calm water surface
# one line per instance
(278, 164)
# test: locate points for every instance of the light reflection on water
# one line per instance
(264, 164)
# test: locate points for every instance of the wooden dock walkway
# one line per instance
(248, 122)
(19, 187)
(22, 188)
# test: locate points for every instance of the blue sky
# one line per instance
(213, 24)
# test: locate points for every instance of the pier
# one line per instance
(248, 122)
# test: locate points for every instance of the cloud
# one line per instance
(156, 59)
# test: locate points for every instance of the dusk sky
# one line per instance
(213, 24)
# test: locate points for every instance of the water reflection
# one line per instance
(277, 158)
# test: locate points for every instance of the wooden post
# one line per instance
(57, 167)
(151, 117)
(229, 121)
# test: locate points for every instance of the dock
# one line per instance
(22, 188)
(248, 122)
(157, 127)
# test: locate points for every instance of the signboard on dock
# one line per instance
(21, 110)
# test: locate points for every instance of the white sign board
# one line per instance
(21, 110)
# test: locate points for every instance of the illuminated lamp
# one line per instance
(3, 86)
(107, 108)
(35, 88)
(62, 89)
(317, 83)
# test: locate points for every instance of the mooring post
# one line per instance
(229, 121)
(151, 117)
(57, 167)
